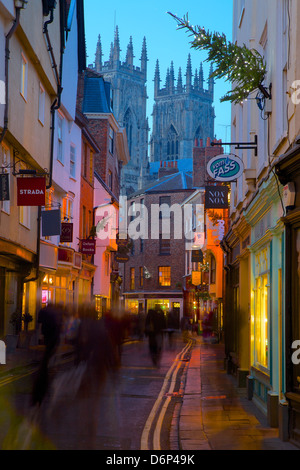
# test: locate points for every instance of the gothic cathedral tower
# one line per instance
(128, 84)
(181, 113)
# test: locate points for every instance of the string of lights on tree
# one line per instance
(244, 68)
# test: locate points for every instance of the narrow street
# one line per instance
(135, 410)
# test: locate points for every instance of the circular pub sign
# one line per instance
(225, 167)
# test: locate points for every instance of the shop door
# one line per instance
(2, 300)
(176, 312)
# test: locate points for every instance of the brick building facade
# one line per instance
(154, 273)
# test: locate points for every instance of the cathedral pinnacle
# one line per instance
(179, 81)
(156, 79)
(201, 77)
(98, 55)
(144, 57)
(117, 50)
(189, 73)
(129, 54)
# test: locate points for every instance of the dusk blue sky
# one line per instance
(164, 42)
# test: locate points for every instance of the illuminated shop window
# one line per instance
(261, 335)
(164, 276)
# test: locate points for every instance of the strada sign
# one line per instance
(225, 168)
(31, 191)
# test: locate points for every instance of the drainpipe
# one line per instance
(55, 105)
(58, 75)
(7, 54)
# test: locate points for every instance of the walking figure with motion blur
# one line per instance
(154, 327)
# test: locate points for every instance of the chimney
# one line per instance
(167, 170)
(201, 157)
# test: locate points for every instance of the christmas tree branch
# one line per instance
(245, 69)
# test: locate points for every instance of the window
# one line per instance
(261, 321)
(24, 216)
(132, 278)
(48, 205)
(141, 245)
(109, 180)
(212, 270)
(86, 160)
(128, 127)
(164, 276)
(41, 105)
(5, 169)
(141, 276)
(106, 264)
(83, 222)
(72, 161)
(163, 202)
(172, 144)
(164, 245)
(60, 123)
(67, 209)
(260, 311)
(24, 76)
(111, 140)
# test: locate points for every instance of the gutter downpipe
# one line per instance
(55, 105)
(58, 75)
(7, 54)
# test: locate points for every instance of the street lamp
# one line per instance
(21, 3)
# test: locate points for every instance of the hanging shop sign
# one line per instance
(196, 278)
(66, 235)
(122, 242)
(4, 187)
(51, 223)
(88, 247)
(31, 191)
(197, 256)
(216, 197)
(225, 168)
(121, 257)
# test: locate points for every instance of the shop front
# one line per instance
(142, 302)
(16, 263)
(66, 279)
(288, 172)
(266, 380)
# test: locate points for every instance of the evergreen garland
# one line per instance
(244, 68)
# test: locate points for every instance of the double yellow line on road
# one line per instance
(12, 378)
(169, 381)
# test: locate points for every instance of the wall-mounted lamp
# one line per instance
(21, 3)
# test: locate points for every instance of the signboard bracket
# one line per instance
(241, 145)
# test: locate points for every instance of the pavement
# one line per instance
(214, 413)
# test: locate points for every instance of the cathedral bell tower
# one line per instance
(128, 84)
(182, 112)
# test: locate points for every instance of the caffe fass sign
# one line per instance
(225, 168)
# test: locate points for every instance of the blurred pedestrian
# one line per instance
(154, 326)
(171, 326)
(141, 324)
(50, 318)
